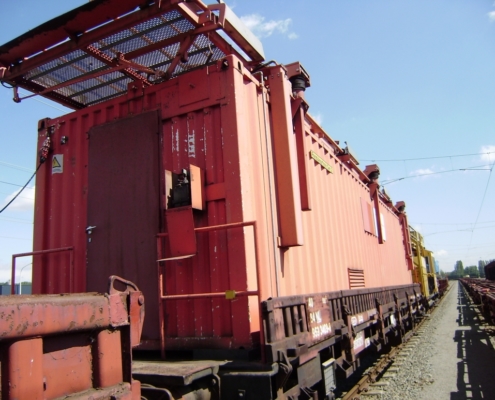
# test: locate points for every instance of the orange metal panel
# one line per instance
(286, 163)
(16, 384)
(302, 160)
(67, 365)
(108, 359)
(338, 236)
(198, 200)
(71, 344)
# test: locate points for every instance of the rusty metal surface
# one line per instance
(312, 319)
(176, 373)
(26, 316)
(482, 291)
(54, 346)
(15, 364)
(443, 285)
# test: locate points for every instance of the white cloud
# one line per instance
(318, 118)
(487, 153)
(441, 253)
(25, 201)
(491, 16)
(422, 172)
(261, 28)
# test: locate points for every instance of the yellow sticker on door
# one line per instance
(58, 164)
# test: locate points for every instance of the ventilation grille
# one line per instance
(356, 278)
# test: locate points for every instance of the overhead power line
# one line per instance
(16, 238)
(475, 168)
(460, 230)
(17, 220)
(430, 158)
(24, 187)
(15, 184)
(16, 167)
(482, 202)
(21, 197)
(450, 223)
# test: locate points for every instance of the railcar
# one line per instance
(482, 292)
(443, 285)
(424, 268)
(268, 259)
(490, 271)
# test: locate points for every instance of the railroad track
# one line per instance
(375, 379)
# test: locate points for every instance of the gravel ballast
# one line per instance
(451, 357)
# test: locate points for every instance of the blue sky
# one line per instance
(410, 85)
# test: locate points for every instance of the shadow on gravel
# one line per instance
(475, 378)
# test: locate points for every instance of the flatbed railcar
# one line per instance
(269, 261)
(482, 291)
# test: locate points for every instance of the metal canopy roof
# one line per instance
(90, 54)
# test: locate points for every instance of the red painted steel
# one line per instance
(121, 35)
(56, 30)
(222, 126)
(181, 227)
(229, 294)
(36, 253)
(60, 346)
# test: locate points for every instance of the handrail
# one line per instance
(39, 252)
(216, 294)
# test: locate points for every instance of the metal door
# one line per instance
(124, 208)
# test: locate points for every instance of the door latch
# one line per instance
(89, 231)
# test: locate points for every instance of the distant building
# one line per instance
(437, 266)
(25, 289)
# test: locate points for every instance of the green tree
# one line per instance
(459, 269)
(472, 271)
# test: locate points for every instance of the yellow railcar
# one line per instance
(423, 266)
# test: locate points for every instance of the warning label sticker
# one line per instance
(58, 164)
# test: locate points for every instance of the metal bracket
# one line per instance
(285, 369)
(134, 300)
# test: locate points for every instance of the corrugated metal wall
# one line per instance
(218, 119)
(334, 232)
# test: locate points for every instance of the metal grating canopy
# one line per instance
(149, 44)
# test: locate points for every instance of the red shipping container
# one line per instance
(276, 207)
